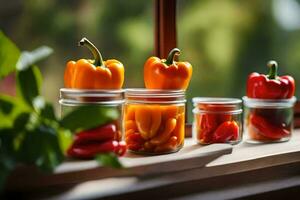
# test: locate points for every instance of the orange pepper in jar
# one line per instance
(154, 128)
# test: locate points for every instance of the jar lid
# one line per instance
(269, 103)
(143, 95)
(215, 104)
(91, 96)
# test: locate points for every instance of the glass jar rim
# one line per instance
(216, 100)
(144, 95)
(91, 96)
(151, 92)
(231, 112)
(254, 102)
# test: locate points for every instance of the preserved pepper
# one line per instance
(217, 120)
(155, 128)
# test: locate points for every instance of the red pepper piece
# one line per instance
(267, 129)
(207, 125)
(270, 86)
(255, 134)
(134, 146)
(121, 149)
(134, 141)
(227, 131)
(90, 150)
(102, 133)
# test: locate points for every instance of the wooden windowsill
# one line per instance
(273, 167)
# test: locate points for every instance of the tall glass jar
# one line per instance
(217, 120)
(268, 120)
(154, 120)
(105, 105)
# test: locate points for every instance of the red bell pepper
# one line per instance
(102, 133)
(225, 132)
(267, 129)
(270, 86)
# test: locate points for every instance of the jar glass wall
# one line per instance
(154, 120)
(107, 104)
(268, 120)
(217, 120)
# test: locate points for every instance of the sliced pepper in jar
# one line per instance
(268, 129)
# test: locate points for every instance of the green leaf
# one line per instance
(7, 154)
(109, 160)
(65, 138)
(6, 106)
(87, 117)
(29, 77)
(10, 108)
(21, 121)
(27, 59)
(48, 112)
(41, 147)
(29, 84)
(9, 55)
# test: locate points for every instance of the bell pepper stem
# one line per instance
(171, 56)
(96, 53)
(273, 69)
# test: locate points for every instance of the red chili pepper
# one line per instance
(134, 141)
(270, 86)
(102, 133)
(90, 150)
(268, 129)
(227, 131)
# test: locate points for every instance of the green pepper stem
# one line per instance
(273, 69)
(96, 53)
(171, 56)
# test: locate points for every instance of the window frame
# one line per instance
(165, 36)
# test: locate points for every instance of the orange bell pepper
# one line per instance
(167, 74)
(94, 74)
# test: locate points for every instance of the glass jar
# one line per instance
(154, 120)
(105, 105)
(217, 120)
(268, 120)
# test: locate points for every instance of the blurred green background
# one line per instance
(224, 40)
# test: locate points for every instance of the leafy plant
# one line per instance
(30, 132)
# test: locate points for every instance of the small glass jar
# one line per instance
(268, 120)
(154, 120)
(217, 120)
(107, 103)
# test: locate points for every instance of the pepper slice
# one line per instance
(227, 131)
(170, 145)
(166, 134)
(267, 129)
(148, 119)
